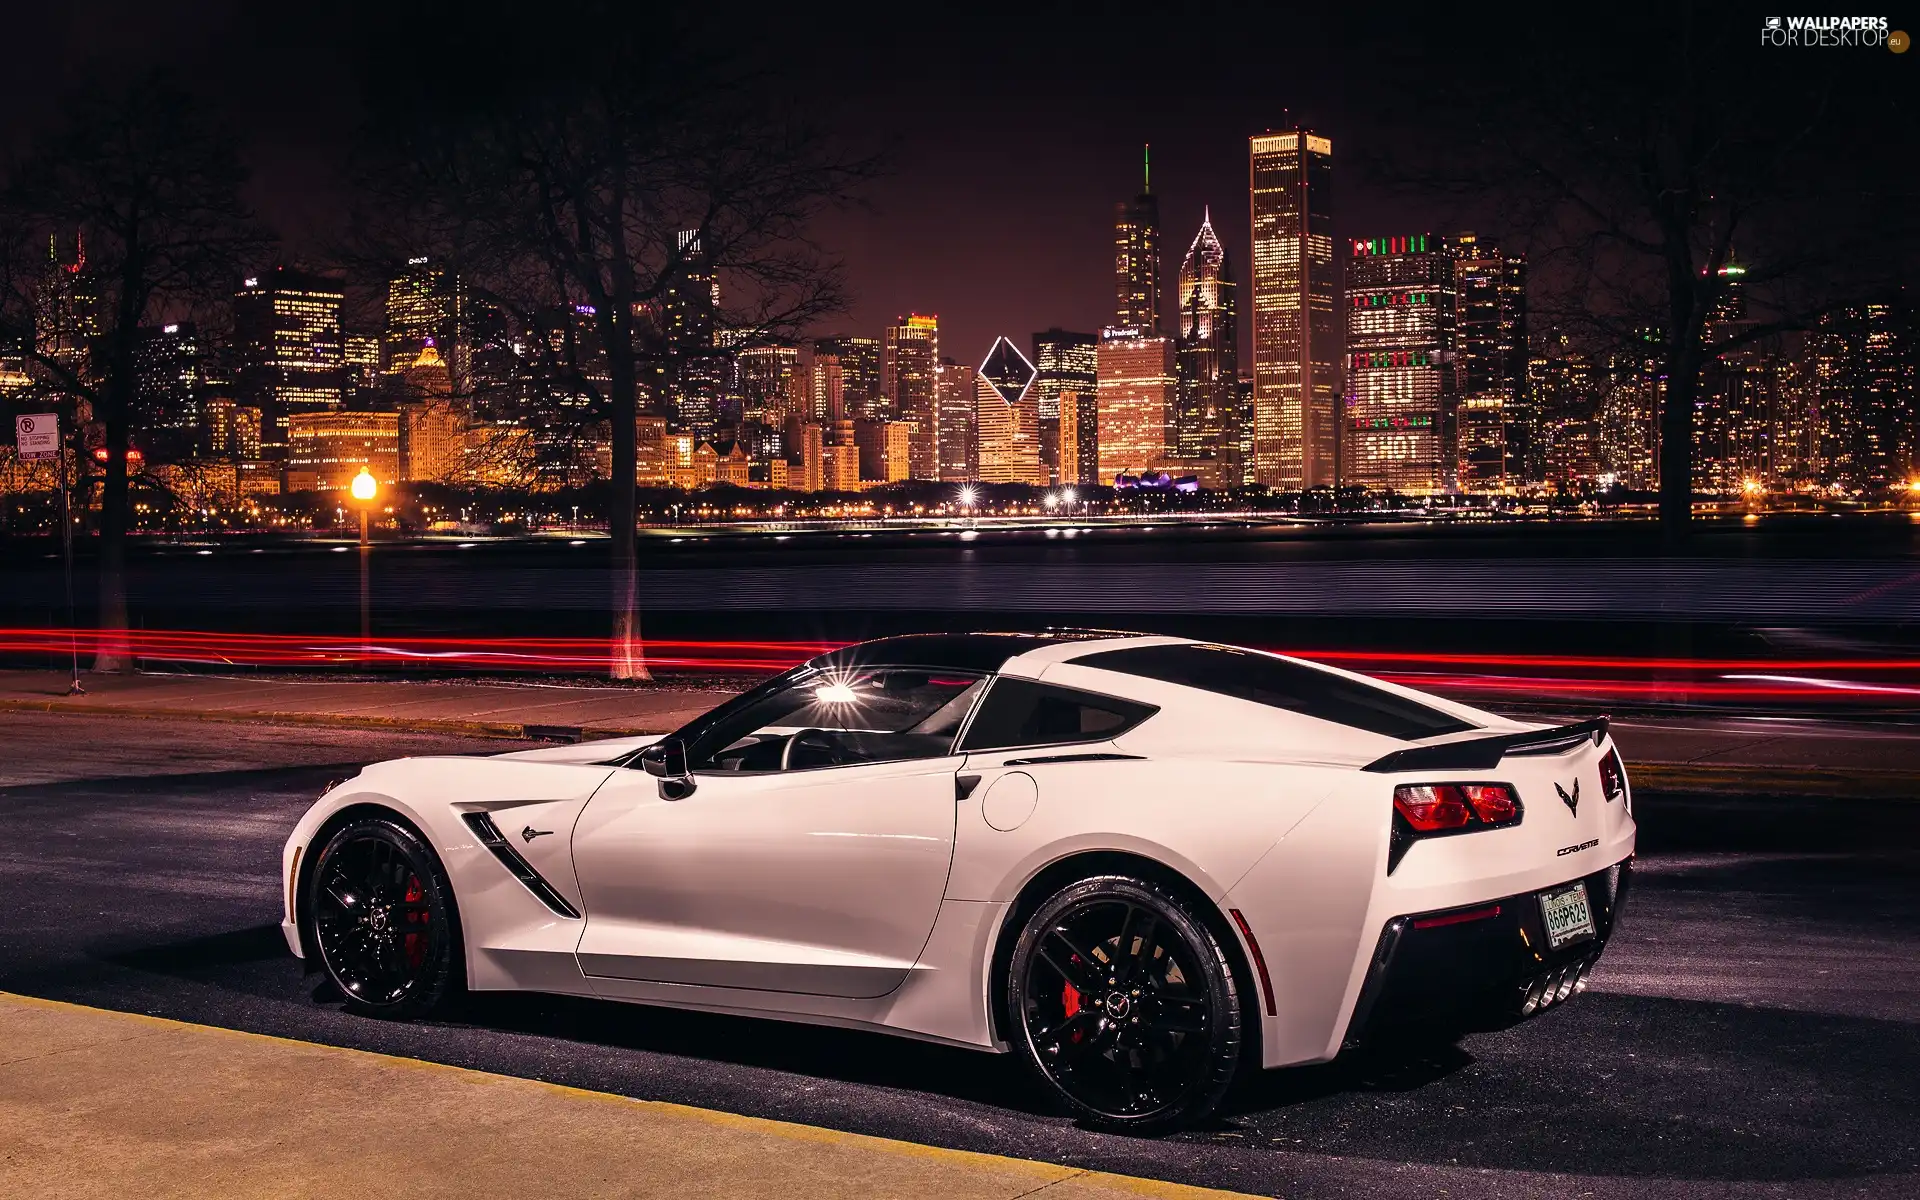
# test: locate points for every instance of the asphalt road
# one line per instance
(1754, 1029)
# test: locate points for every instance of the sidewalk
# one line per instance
(92, 1104)
(1681, 753)
(555, 712)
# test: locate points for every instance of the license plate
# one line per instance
(1567, 915)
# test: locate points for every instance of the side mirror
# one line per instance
(666, 760)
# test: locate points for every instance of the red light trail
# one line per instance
(1881, 681)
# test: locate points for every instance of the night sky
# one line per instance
(1014, 129)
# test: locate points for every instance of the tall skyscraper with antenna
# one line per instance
(1136, 256)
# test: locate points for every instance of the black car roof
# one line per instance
(955, 651)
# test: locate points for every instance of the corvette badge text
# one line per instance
(1589, 844)
(1833, 32)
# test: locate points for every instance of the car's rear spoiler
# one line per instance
(1483, 753)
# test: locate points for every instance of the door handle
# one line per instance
(963, 786)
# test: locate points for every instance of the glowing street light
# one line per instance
(363, 489)
(1052, 500)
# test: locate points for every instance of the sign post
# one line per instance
(37, 439)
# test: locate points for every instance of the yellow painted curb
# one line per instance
(1052, 1172)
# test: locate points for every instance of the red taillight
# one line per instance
(1430, 808)
(1613, 777)
(1493, 803)
(1440, 807)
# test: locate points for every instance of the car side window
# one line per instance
(1281, 683)
(841, 717)
(1020, 712)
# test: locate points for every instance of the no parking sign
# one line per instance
(37, 435)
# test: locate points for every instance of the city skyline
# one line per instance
(1443, 391)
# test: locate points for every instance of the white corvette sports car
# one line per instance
(1138, 862)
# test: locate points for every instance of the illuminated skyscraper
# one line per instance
(1207, 353)
(959, 452)
(1065, 449)
(766, 382)
(860, 376)
(361, 354)
(1006, 418)
(1739, 404)
(1403, 395)
(1066, 362)
(1573, 434)
(167, 389)
(1863, 366)
(1629, 417)
(431, 429)
(1135, 401)
(65, 320)
(1490, 338)
(423, 305)
(1796, 417)
(826, 389)
(910, 349)
(1296, 331)
(1136, 259)
(289, 353)
(695, 374)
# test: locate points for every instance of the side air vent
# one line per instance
(490, 837)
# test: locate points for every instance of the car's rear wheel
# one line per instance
(1125, 1005)
(383, 919)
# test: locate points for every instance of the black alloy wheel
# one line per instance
(1125, 1005)
(383, 919)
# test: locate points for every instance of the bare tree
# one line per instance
(1638, 156)
(147, 186)
(580, 189)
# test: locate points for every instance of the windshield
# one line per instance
(867, 714)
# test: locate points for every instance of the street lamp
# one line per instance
(364, 488)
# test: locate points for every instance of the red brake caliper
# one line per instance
(1070, 1000)
(415, 943)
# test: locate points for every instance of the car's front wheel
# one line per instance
(383, 919)
(1125, 1005)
